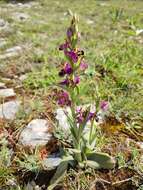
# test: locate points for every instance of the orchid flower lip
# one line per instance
(72, 55)
(91, 116)
(65, 82)
(63, 99)
(68, 69)
(64, 46)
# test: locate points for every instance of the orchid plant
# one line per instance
(83, 152)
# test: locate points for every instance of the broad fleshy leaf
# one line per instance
(92, 164)
(60, 172)
(103, 159)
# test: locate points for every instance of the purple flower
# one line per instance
(79, 116)
(76, 80)
(83, 66)
(72, 55)
(80, 119)
(69, 32)
(104, 105)
(68, 69)
(90, 116)
(65, 82)
(64, 46)
(63, 99)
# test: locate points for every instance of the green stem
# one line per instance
(91, 130)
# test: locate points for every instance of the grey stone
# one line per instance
(6, 93)
(2, 85)
(23, 77)
(14, 49)
(9, 109)
(11, 52)
(20, 16)
(62, 118)
(35, 133)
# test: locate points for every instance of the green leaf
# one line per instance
(76, 154)
(61, 171)
(58, 176)
(73, 150)
(92, 164)
(103, 159)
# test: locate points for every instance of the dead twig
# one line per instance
(122, 181)
(103, 182)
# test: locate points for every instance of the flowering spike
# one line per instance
(83, 144)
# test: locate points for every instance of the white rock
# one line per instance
(62, 118)
(35, 133)
(2, 85)
(6, 93)
(11, 52)
(14, 49)
(20, 16)
(23, 77)
(9, 109)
